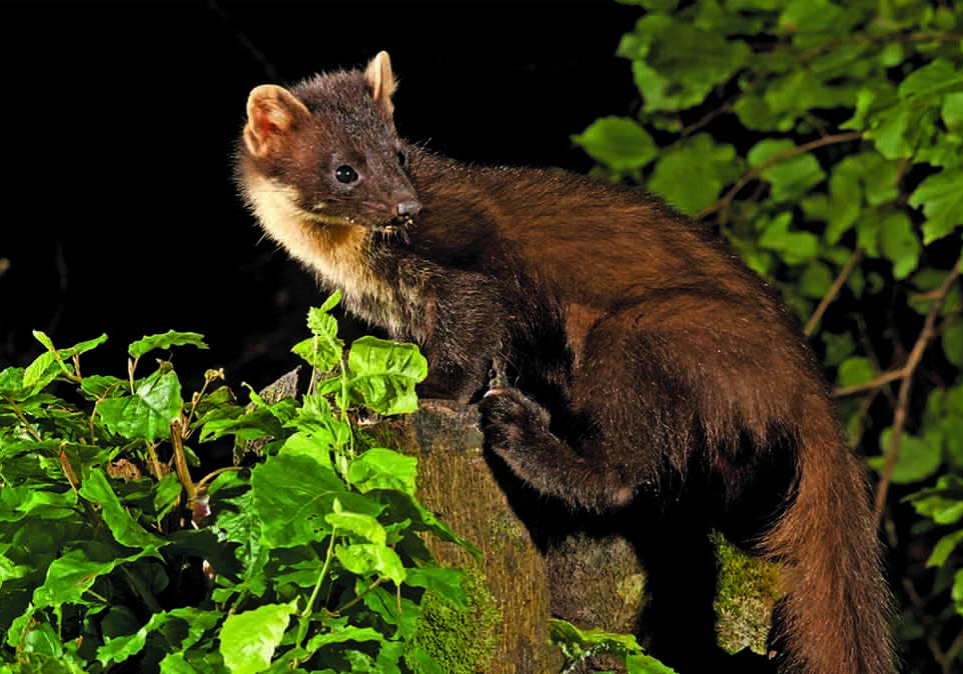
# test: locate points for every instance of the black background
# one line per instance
(118, 122)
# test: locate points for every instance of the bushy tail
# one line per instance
(837, 610)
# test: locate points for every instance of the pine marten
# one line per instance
(609, 342)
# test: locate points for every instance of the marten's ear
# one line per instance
(381, 82)
(272, 113)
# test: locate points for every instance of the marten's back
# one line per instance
(578, 238)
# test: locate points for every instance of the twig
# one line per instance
(833, 291)
(899, 417)
(873, 384)
(788, 153)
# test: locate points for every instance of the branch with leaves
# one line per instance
(824, 141)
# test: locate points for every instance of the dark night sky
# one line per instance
(119, 118)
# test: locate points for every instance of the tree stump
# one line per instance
(540, 560)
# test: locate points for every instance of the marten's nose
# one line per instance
(409, 207)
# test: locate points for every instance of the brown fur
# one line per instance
(650, 351)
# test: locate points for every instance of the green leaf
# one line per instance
(365, 526)
(383, 374)
(793, 96)
(383, 469)
(369, 558)
(941, 503)
(899, 244)
(932, 81)
(919, 457)
(790, 175)
(292, 495)
(646, 664)
(324, 349)
(165, 341)
(691, 175)
(126, 531)
(952, 341)
(941, 199)
(97, 386)
(250, 639)
(48, 366)
(577, 644)
(43, 640)
(617, 142)
(148, 413)
(812, 16)
(957, 591)
(676, 63)
(44, 370)
(441, 580)
(296, 489)
(816, 280)
(75, 571)
(196, 621)
(793, 247)
(944, 547)
(11, 382)
(339, 632)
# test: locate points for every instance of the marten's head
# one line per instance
(326, 154)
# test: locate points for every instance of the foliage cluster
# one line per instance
(113, 559)
(824, 141)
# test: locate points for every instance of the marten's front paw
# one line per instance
(510, 419)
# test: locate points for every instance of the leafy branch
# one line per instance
(827, 146)
(300, 556)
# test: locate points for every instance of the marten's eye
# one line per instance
(402, 159)
(345, 174)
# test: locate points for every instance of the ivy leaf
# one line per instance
(617, 142)
(250, 639)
